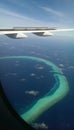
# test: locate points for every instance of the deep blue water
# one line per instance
(18, 76)
(22, 77)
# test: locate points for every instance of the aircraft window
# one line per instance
(37, 72)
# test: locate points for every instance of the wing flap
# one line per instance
(18, 32)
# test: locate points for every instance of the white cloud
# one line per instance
(23, 79)
(50, 10)
(40, 67)
(9, 18)
(32, 74)
(71, 67)
(32, 92)
(40, 125)
(16, 19)
(17, 15)
(61, 65)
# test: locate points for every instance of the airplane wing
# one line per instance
(20, 32)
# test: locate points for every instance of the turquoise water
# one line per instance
(58, 91)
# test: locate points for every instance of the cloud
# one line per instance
(40, 125)
(50, 10)
(71, 67)
(23, 79)
(15, 18)
(15, 14)
(40, 67)
(61, 65)
(11, 18)
(32, 92)
(37, 66)
(32, 74)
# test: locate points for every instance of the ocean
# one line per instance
(26, 81)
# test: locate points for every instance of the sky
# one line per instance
(52, 13)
